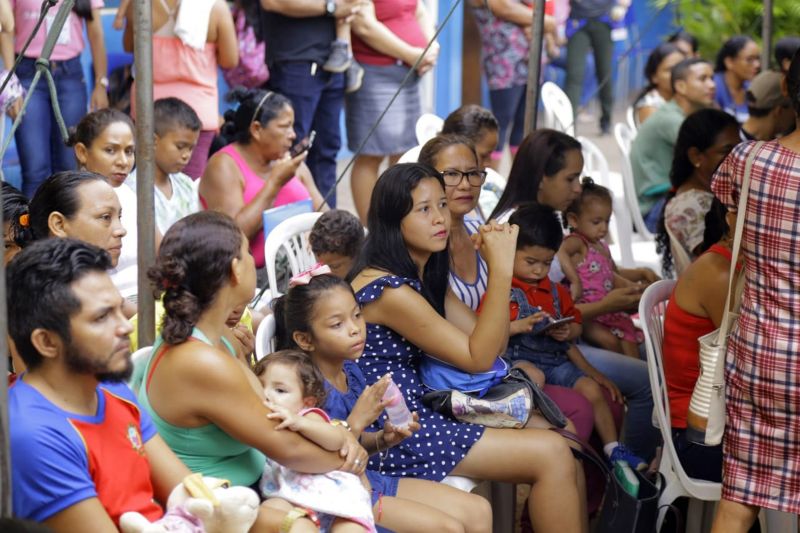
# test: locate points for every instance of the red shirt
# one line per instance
(540, 295)
(680, 352)
(400, 17)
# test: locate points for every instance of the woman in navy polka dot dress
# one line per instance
(401, 282)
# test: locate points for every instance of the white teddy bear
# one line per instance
(200, 504)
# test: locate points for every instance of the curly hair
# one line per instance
(310, 377)
(337, 231)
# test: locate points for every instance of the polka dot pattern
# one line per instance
(441, 443)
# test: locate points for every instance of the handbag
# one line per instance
(252, 70)
(621, 511)
(506, 405)
(705, 420)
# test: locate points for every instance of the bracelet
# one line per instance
(342, 423)
(295, 514)
(377, 442)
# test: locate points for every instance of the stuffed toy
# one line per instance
(200, 505)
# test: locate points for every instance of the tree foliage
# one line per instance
(714, 21)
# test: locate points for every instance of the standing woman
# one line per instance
(401, 282)
(761, 446)
(41, 149)
(185, 65)
(738, 62)
(388, 37)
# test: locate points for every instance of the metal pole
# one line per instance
(766, 35)
(534, 67)
(5, 452)
(145, 164)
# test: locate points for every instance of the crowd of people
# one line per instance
(421, 289)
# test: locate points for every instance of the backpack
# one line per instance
(252, 71)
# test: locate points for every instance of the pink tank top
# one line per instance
(292, 191)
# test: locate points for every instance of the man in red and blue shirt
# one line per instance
(82, 450)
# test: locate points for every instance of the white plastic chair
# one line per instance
(139, 359)
(265, 337)
(624, 136)
(428, 126)
(411, 156)
(626, 251)
(558, 113)
(631, 119)
(292, 236)
(652, 308)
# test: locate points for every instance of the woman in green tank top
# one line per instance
(206, 404)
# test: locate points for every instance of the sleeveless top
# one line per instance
(292, 191)
(184, 72)
(205, 449)
(471, 293)
(681, 351)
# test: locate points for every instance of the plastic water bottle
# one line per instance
(398, 413)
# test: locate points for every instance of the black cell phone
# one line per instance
(303, 146)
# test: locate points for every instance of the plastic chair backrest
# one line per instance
(624, 136)
(411, 156)
(595, 166)
(428, 126)
(292, 236)
(265, 337)
(558, 109)
(652, 308)
(631, 119)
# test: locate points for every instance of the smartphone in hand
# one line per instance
(303, 146)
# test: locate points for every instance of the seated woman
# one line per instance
(104, 143)
(658, 73)
(546, 170)
(695, 309)
(16, 235)
(401, 282)
(704, 139)
(255, 172)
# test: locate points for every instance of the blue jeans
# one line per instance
(630, 376)
(41, 149)
(654, 215)
(317, 100)
(508, 106)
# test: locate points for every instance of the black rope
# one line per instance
(407, 77)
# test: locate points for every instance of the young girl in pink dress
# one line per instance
(591, 272)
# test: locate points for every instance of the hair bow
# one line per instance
(304, 278)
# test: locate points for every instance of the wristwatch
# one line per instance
(330, 7)
(103, 82)
(293, 515)
(342, 423)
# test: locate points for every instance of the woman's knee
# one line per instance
(476, 514)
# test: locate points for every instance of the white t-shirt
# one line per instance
(125, 276)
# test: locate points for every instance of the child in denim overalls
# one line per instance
(534, 301)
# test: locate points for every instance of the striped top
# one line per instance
(471, 293)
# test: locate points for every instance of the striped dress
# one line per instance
(471, 293)
(762, 437)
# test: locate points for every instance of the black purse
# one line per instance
(506, 405)
(621, 512)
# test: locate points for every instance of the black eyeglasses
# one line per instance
(453, 177)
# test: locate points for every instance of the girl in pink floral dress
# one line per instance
(591, 272)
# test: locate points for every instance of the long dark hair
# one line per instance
(83, 8)
(385, 248)
(15, 214)
(730, 48)
(793, 82)
(699, 130)
(237, 121)
(654, 60)
(542, 153)
(193, 263)
(716, 225)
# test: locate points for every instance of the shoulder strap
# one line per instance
(741, 213)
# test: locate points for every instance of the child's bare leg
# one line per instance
(603, 420)
(343, 525)
(343, 31)
(536, 375)
(601, 336)
(631, 349)
(426, 506)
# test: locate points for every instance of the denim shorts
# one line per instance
(557, 368)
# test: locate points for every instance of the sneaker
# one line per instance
(353, 76)
(340, 58)
(621, 453)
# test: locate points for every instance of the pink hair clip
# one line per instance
(304, 278)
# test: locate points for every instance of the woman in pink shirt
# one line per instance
(41, 149)
(255, 172)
